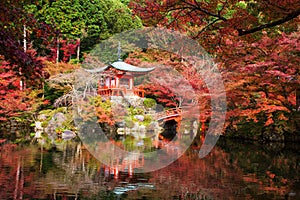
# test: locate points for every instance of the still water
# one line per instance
(233, 170)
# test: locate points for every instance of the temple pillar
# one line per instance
(117, 82)
(107, 82)
(112, 83)
(131, 83)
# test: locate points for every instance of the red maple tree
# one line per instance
(256, 46)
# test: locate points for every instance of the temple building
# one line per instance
(117, 79)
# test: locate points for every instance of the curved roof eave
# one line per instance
(120, 65)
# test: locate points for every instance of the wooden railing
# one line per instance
(139, 92)
(173, 112)
(105, 92)
(121, 92)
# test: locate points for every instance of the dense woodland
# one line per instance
(256, 45)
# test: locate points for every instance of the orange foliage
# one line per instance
(61, 67)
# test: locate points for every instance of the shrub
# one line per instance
(149, 103)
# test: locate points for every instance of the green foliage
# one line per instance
(74, 61)
(149, 103)
(106, 51)
(99, 102)
(148, 145)
(90, 20)
(219, 7)
(147, 120)
(130, 119)
(129, 143)
(125, 2)
(241, 4)
(68, 124)
(135, 111)
(51, 94)
(129, 122)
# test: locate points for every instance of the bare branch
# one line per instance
(207, 26)
(198, 7)
(289, 17)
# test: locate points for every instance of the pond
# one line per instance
(232, 170)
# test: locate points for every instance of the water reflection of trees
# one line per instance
(269, 168)
(230, 171)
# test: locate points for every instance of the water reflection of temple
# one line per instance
(127, 165)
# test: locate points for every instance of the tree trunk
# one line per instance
(17, 179)
(57, 50)
(24, 39)
(22, 82)
(22, 179)
(78, 49)
(298, 99)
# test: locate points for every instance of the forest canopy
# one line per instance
(255, 44)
